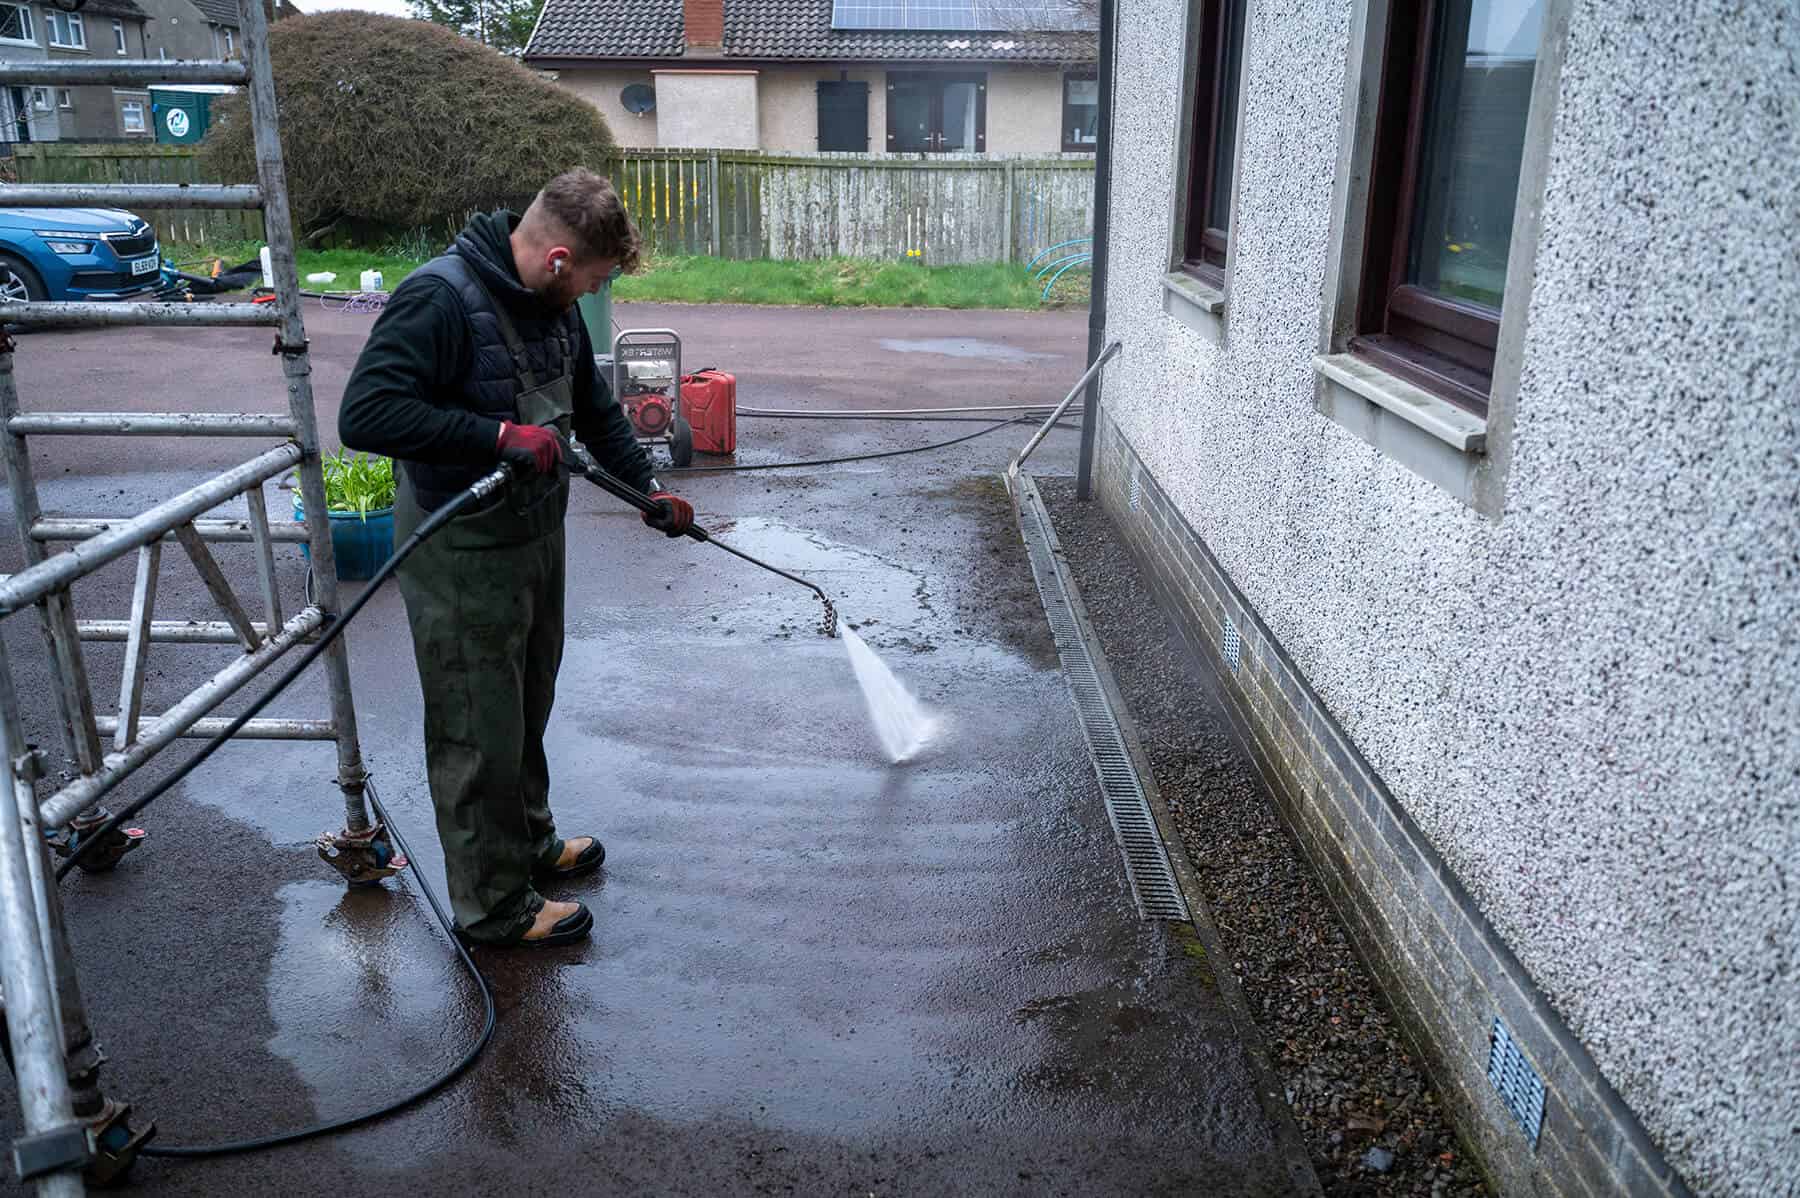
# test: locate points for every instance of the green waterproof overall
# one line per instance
(484, 598)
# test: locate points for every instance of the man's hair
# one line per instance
(585, 206)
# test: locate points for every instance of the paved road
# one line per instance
(812, 971)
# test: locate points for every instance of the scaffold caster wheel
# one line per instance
(110, 851)
(115, 1144)
(364, 858)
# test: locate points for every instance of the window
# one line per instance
(66, 29)
(40, 99)
(844, 115)
(1212, 148)
(65, 99)
(15, 24)
(131, 116)
(1080, 112)
(223, 42)
(119, 37)
(1449, 140)
(930, 113)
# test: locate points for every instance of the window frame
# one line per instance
(119, 43)
(143, 107)
(1446, 346)
(1082, 76)
(824, 88)
(1205, 249)
(73, 23)
(230, 43)
(26, 23)
(941, 80)
(65, 99)
(42, 100)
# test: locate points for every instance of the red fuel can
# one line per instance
(709, 403)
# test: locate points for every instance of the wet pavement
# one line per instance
(812, 971)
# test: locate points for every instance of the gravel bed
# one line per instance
(1368, 1112)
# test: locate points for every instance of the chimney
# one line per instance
(704, 23)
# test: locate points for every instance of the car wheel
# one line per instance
(18, 282)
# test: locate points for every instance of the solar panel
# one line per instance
(958, 15)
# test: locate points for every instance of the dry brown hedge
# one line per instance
(388, 123)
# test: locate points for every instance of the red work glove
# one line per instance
(529, 446)
(673, 515)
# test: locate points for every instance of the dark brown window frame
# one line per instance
(1205, 246)
(978, 78)
(1075, 147)
(1443, 345)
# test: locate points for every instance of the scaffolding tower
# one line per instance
(73, 1132)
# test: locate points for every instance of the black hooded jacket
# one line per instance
(407, 396)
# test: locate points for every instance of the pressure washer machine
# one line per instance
(646, 377)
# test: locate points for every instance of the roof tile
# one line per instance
(219, 12)
(779, 29)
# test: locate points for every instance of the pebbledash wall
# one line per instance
(1533, 713)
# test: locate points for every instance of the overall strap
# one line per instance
(515, 344)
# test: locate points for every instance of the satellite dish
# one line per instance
(639, 98)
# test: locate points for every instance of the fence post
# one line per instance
(1006, 220)
(712, 202)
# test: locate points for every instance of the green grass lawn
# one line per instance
(834, 283)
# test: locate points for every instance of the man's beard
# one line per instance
(559, 294)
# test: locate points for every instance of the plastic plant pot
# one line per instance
(359, 544)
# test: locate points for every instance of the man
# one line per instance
(480, 357)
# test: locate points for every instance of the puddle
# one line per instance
(965, 347)
(366, 997)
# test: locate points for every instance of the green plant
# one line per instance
(417, 244)
(359, 482)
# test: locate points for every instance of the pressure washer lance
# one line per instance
(612, 485)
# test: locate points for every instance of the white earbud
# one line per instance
(556, 266)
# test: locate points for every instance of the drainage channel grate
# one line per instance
(1146, 860)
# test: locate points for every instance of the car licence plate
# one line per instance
(144, 266)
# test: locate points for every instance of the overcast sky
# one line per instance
(393, 8)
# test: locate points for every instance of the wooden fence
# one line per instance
(740, 204)
(51, 162)
(727, 203)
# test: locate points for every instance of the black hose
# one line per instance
(442, 516)
(435, 521)
(1038, 414)
(857, 457)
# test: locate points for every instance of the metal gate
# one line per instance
(70, 1125)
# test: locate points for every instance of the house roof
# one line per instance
(781, 30)
(116, 8)
(219, 12)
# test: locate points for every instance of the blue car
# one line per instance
(68, 254)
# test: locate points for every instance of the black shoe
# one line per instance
(586, 863)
